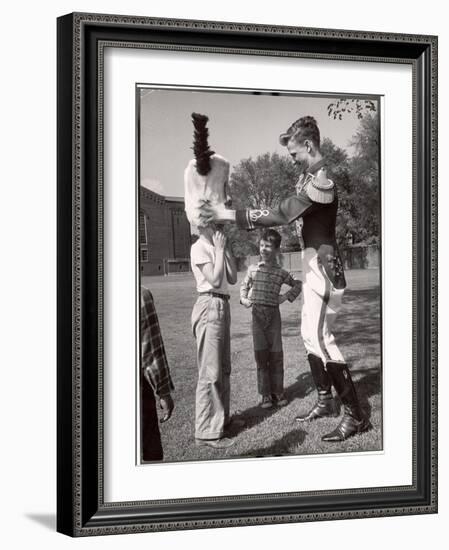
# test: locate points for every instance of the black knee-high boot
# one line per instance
(325, 405)
(353, 421)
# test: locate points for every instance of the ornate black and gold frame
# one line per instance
(81, 508)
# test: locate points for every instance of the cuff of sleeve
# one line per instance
(243, 220)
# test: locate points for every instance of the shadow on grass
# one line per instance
(251, 417)
(303, 387)
(255, 415)
(366, 387)
(369, 385)
(359, 321)
(280, 447)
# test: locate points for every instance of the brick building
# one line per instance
(164, 234)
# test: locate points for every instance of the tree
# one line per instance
(262, 183)
(360, 201)
(361, 107)
(339, 171)
(244, 243)
(365, 176)
(357, 181)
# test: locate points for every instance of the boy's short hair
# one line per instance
(271, 236)
(304, 128)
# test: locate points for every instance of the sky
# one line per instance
(241, 125)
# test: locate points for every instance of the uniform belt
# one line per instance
(215, 295)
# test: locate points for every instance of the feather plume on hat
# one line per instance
(206, 175)
(201, 148)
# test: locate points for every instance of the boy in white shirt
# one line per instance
(213, 266)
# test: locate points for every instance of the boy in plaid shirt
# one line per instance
(260, 290)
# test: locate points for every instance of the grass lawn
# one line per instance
(273, 431)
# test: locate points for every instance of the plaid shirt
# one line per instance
(154, 361)
(262, 285)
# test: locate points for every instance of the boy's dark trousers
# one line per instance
(267, 339)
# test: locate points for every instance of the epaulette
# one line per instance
(319, 188)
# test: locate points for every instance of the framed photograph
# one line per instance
(247, 270)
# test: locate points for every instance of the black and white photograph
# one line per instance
(260, 245)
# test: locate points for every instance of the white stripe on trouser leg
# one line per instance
(322, 303)
(333, 307)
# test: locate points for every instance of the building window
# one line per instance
(144, 255)
(142, 229)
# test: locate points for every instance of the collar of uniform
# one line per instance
(315, 167)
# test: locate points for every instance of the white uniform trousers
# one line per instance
(321, 304)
